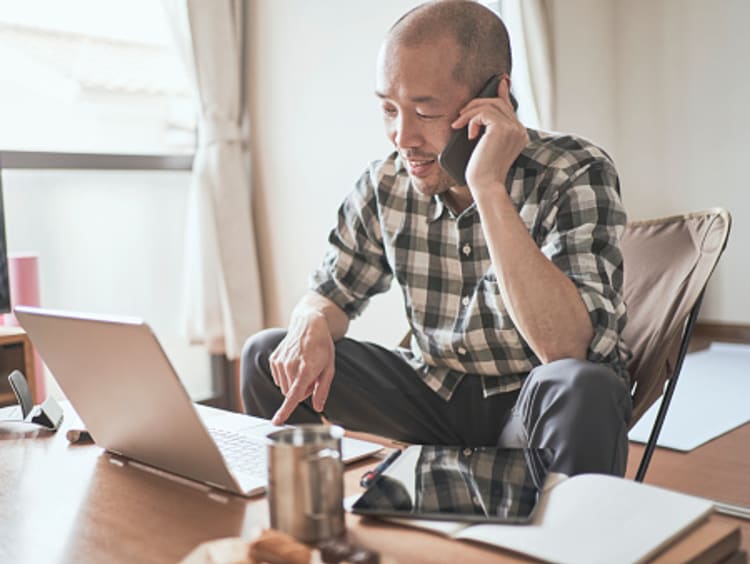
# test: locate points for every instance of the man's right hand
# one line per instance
(303, 364)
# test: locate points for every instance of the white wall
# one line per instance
(585, 73)
(316, 125)
(662, 86)
(684, 118)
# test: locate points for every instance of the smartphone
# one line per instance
(455, 157)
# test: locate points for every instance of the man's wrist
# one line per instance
(315, 309)
(309, 315)
(493, 196)
(315, 318)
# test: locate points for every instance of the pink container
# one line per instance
(23, 275)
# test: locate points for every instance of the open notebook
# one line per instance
(590, 518)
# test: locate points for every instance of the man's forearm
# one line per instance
(313, 305)
(544, 303)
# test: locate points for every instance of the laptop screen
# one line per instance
(477, 484)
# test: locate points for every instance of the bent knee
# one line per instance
(262, 342)
(256, 381)
(581, 377)
(255, 353)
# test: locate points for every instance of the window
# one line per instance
(92, 76)
(102, 78)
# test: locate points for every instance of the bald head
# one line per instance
(484, 48)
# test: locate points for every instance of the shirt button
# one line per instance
(466, 300)
(461, 351)
(467, 249)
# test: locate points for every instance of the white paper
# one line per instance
(712, 397)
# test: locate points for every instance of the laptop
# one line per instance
(117, 377)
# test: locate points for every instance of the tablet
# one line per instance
(475, 484)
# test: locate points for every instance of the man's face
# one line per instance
(420, 99)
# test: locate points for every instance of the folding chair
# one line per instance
(668, 262)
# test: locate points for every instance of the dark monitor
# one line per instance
(4, 283)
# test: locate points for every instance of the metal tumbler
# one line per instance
(306, 486)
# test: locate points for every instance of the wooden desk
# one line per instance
(72, 503)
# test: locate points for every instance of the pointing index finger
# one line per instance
(296, 394)
(286, 409)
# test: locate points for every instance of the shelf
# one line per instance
(15, 354)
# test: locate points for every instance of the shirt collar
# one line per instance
(436, 209)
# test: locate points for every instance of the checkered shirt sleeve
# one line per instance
(355, 267)
(580, 235)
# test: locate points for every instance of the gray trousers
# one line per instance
(578, 408)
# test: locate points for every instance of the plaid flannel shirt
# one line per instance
(566, 191)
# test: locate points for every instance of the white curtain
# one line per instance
(529, 23)
(222, 293)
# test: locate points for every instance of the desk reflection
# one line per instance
(131, 514)
(478, 482)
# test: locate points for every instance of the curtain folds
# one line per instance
(529, 23)
(222, 295)
(536, 20)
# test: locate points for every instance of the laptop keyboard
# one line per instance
(242, 453)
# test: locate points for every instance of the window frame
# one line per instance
(46, 160)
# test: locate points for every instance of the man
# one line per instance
(512, 284)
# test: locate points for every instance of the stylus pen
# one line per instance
(734, 510)
(369, 476)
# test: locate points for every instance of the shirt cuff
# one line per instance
(324, 284)
(605, 344)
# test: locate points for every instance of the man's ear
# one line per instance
(503, 85)
(505, 79)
